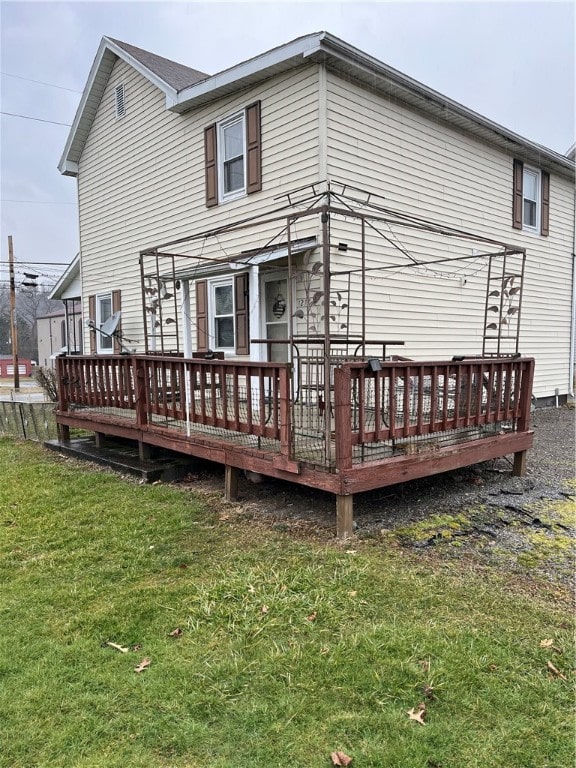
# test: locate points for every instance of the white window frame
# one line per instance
(212, 285)
(238, 117)
(536, 173)
(120, 100)
(104, 344)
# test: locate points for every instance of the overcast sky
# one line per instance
(511, 61)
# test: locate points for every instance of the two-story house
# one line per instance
(309, 204)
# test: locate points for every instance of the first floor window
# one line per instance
(222, 321)
(103, 312)
(223, 314)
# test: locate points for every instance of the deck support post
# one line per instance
(144, 450)
(344, 516)
(63, 433)
(231, 482)
(99, 440)
(519, 468)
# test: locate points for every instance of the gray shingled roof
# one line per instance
(174, 74)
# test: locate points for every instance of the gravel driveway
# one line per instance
(480, 512)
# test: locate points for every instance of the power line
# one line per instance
(39, 119)
(40, 82)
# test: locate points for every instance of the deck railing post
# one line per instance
(139, 368)
(343, 416)
(285, 423)
(63, 430)
(523, 423)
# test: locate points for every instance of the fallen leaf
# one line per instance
(312, 617)
(137, 647)
(144, 664)
(175, 632)
(324, 651)
(340, 758)
(428, 692)
(264, 609)
(492, 667)
(417, 713)
(556, 672)
(351, 551)
(550, 644)
(118, 647)
(352, 594)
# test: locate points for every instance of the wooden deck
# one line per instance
(366, 429)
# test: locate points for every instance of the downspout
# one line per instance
(573, 319)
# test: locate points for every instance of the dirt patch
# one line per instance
(480, 512)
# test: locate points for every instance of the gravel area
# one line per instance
(480, 512)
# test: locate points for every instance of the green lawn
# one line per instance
(290, 649)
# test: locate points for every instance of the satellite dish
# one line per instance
(109, 326)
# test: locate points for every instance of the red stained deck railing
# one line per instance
(410, 399)
(402, 400)
(251, 398)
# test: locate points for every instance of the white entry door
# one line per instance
(275, 314)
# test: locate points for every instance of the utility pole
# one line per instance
(13, 329)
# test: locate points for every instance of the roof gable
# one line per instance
(168, 76)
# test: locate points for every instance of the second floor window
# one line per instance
(232, 156)
(531, 199)
(231, 159)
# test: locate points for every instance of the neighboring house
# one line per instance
(51, 337)
(164, 153)
(7, 366)
(68, 290)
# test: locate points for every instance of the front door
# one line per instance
(275, 319)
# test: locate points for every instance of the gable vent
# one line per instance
(120, 103)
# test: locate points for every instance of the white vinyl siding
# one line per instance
(426, 168)
(141, 179)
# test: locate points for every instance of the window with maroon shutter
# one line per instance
(241, 313)
(517, 199)
(211, 168)
(202, 316)
(92, 319)
(253, 148)
(531, 199)
(116, 307)
(233, 156)
(545, 214)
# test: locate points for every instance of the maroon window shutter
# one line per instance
(202, 315)
(211, 167)
(517, 199)
(241, 310)
(116, 306)
(253, 148)
(545, 212)
(92, 317)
